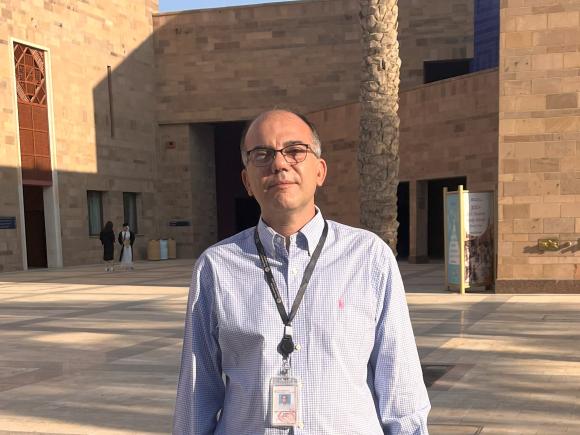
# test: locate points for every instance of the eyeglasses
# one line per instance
(293, 154)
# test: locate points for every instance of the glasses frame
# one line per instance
(281, 151)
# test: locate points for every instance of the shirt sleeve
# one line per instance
(200, 390)
(400, 395)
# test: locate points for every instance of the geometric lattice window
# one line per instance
(32, 115)
(30, 75)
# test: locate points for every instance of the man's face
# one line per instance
(280, 187)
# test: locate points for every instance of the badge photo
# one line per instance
(285, 402)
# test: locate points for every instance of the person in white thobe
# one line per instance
(126, 240)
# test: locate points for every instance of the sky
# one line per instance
(182, 5)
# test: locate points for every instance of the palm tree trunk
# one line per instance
(378, 152)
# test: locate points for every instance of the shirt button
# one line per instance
(294, 271)
(297, 347)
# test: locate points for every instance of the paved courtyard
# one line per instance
(88, 352)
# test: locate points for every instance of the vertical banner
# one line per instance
(452, 239)
(479, 241)
(469, 239)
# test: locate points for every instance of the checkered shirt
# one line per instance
(358, 359)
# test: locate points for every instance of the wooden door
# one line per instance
(35, 229)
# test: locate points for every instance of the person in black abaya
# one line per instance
(107, 237)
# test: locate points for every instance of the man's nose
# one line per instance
(279, 163)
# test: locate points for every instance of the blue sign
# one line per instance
(7, 223)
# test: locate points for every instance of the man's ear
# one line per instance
(246, 182)
(321, 174)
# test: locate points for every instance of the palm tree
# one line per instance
(378, 152)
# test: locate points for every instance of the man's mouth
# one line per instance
(280, 184)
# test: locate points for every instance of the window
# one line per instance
(130, 210)
(435, 70)
(95, 206)
(33, 115)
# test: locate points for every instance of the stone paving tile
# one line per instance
(86, 352)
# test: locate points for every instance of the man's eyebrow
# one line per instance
(261, 147)
(285, 144)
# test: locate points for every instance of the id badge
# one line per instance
(285, 403)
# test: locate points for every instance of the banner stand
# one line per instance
(469, 233)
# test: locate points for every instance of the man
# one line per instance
(344, 353)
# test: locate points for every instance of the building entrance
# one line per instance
(36, 254)
(403, 218)
(236, 211)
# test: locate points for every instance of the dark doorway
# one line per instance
(435, 229)
(236, 211)
(35, 229)
(403, 218)
(247, 213)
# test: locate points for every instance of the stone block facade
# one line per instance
(433, 30)
(339, 132)
(232, 63)
(81, 40)
(186, 187)
(10, 245)
(539, 146)
(449, 128)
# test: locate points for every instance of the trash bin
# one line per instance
(171, 248)
(163, 254)
(153, 251)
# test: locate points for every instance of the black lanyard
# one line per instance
(286, 346)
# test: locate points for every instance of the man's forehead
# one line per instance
(273, 123)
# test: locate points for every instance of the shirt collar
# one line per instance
(312, 232)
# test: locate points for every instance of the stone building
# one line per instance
(116, 112)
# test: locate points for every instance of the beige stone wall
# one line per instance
(10, 246)
(174, 185)
(433, 30)
(539, 145)
(449, 129)
(82, 40)
(203, 188)
(338, 129)
(229, 64)
(186, 188)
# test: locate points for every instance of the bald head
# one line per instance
(271, 120)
